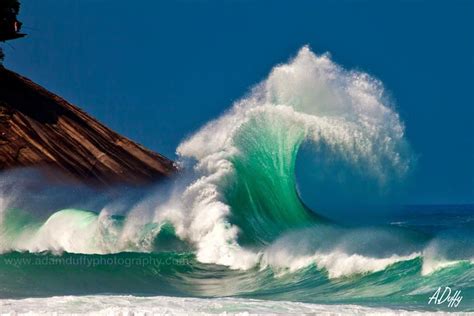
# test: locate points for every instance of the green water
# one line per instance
(233, 224)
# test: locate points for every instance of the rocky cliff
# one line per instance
(38, 128)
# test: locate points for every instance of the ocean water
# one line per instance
(166, 305)
(232, 232)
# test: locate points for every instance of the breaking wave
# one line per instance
(235, 209)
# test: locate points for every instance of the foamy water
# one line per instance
(160, 305)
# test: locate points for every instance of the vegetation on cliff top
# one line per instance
(9, 25)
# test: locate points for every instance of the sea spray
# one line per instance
(240, 193)
(234, 213)
(247, 157)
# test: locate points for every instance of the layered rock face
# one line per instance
(38, 128)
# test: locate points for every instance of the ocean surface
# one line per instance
(232, 232)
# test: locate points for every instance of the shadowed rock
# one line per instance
(38, 128)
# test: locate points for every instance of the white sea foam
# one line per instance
(310, 96)
(345, 110)
(448, 249)
(161, 305)
(337, 264)
(431, 265)
(340, 252)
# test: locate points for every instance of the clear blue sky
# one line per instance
(157, 70)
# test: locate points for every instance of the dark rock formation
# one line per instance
(38, 128)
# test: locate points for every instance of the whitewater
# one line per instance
(233, 222)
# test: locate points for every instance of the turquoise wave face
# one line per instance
(233, 223)
(263, 193)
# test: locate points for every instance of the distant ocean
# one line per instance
(231, 232)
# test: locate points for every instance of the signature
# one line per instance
(451, 297)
